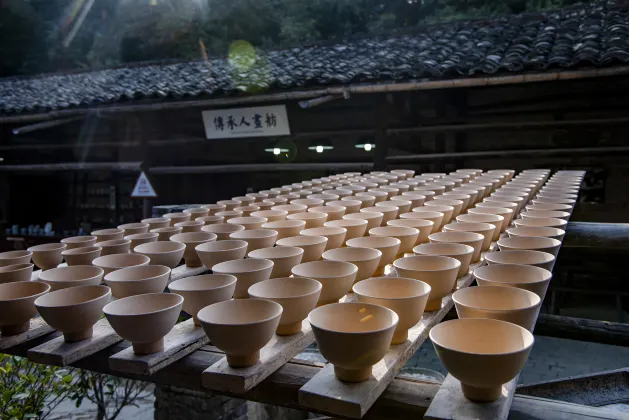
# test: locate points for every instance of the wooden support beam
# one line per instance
(37, 328)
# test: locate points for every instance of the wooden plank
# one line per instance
(182, 340)
(35, 275)
(449, 403)
(57, 352)
(37, 329)
(532, 408)
(221, 377)
(184, 271)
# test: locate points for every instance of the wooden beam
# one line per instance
(38, 327)
(581, 329)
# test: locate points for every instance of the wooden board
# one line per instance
(184, 271)
(37, 329)
(35, 275)
(449, 403)
(59, 353)
(221, 377)
(182, 340)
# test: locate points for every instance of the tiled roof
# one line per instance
(592, 34)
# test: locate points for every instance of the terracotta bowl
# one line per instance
(166, 233)
(387, 245)
(195, 212)
(400, 186)
(447, 211)
(222, 230)
(475, 240)
(483, 354)
(499, 204)
(529, 242)
(423, 226)
(541, 222)
(308, 202)
(190, 226)
(457, 205)
(166, 253)
(408, 173)
(564, 215)
(313, 246)
(214, 208)
(408, 236)
(250, 223)
(291, 208)
(229, 214)
(461, 252)
(404, 206)
(71, 243)
(115, 246)
(388, 212)
(138, 280)
(485, 229)
(141, 238)
(144, 320)
(366, 259)
(47, 256)
(415, 197)
(212, 253)
(510, 304)
(157, 222)
(550, 200)
(297, 295)
(244, 200)
(547, 232)
(313, 220)
(335, 235)
(278, 201)
(211, 220)
(326, 197)
(336, 278)
(247, 271)
(333, 212)
(81, 256)
(391, 192)
(256, 238)
(241, 328)
(134, 228)
(379, 196)
(353, 336)
(286, 228)
(246, 210)
(351, 205)
(374, 219)
(108, 234)
(74, 310)
(16, 272)
(366, 199)
(178, 217)
(528, 277)
(492, 219)
(191, 240)
(65, 277)
(17, 305)
(201, 291)
(271, 215)
(355, 227)
(433, 216)
(523, 257)
(437, 189)
(500, 199)
(507, 214)
(284, 258)
(115, 262)
(407, 297)
(439, 272)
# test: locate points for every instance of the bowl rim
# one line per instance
(264, 266)
(457, 265)
(179, 299)
(346, 249)
(318, 286)
(490, 254)
(296, 251)
(57, 246)
(321, 240)
(469, 251)
(226, 302)
(173, 286)
(73, 240)
(510, 289)
(108, 278)
(353, 267)
(106, 292)
(181, 246)
(99, 270)
(11, 268)
(396, 318)
(547, 275)
(387, 278)
(126, 255)
(36, 295)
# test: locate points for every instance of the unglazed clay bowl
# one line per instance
(452, 195)
(144, 320)
(81, 256)
(434, 216)
(241, 328)
(326, 197)
(507, 214)
(166, 233)
(297, 295)
(250, 222)
(457, 205)
(499, 204)
(523, 257)
(483, 354)
(374, 219)
(475, 240)
(134, 228)
(246, 210)
(115, 262)
(191, 240)
(47, 256)
(108, 234)
(190, 226)
(485, 229)
(178, 217)
(71, 243)
(336, 278)
(141, 238)
(461, 252)
(510, 304)
(17, 305)
(72, 276)
(212, 253)
(335, 235)
(115, 246)
(415, 197)
(554, 200)
(529, 242)
(388, 212)
(222, 230)
(308, 202)
(16, 272)
(244, 200)
(333, 212)
(492, 219)
(404, 206)
(541, 222)
(528, 277)
(201, 291)
(211, 220)
(313, 220)
(286, 228)
(74, 310)
(447, 211)
(353, 336)
(366, 259)
(166, 253)
(229, 214)
(545, 214)
(313, 246)
(407, 236)
(271, 215)
(387, 245)
(540, 231)
(367, 199)
(291, 208)
(284, 258)
(138, 280)
(423, 226)
(355, 227)
(248, 272)
(214, 208)
(156, 222)
(195, 212)
(256, 238)
(550, 206)
(351, 205)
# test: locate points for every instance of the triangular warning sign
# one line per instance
(143, 187)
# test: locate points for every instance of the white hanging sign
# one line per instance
(143, 188)
(260, 121)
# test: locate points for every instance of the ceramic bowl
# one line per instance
(166, 253)
(115, 262)
(247, 271)
(241, 328)
(138, 280)
(529, 242)
(461, 252)
(485, 229)
(191, 240)
(278, 201)
(246, 210)
(17, 305)
(144, 320)
(541, 222)
(81, 256)
(291, 208)
(271, 215)
(74, 310)
(284, 258)
(355, 227)
(351, 205)
(447, 211)
(353, 336)
(433, 216)
(366, 259)
(507, 214)
(423, 226)
(336, 278)
(374, 219)
(387, 245)
(201, 291)
(244, 200)
(483, 354)
(510, 304)
(308, 202)
(404, 206)
(222, 230)
(313, 246)
(195, 212)
(178, 217)
(313, 220)
(65, 277)
(554, 200)
(190, 226)
(406, 297)
(475, 240)
(210, 220)
(108, 234)
(47, 256)
(492, 219)
(115, 246)
(229, 214)
(256, 238)
(250, 223)
(388, 212)
(366, 199)
(71, 243)
(391, 192)
(157, 222)
(547, 232)
(326, 197)
(212, 253)
(523, 257)
(214, 208)
(499, 204)
(457, 205)
(335, 235)
(134, 228)
(166, 233)
(528, 277)
(297, 295)
(429, 194)
(286, 228)
(141, 238)
(439, 272)
(415, 197)
(333, 212)
(453, 195)
(545, 214)
(16, 272)
(407, 236)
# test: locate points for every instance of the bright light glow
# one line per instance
(319, 149)
(367, 147)
(276, 151)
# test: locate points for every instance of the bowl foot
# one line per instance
(473, 393)
(289, 329)
(241, 361)
(78, 335)
(433, 305)
(399, 336)
(352, 375)
(196, 321)
(7, 330)
(149, 348)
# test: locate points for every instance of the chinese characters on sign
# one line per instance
(246, 122)
(143, 187)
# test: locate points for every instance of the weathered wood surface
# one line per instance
(184, 271)
(450, 404)
(57, 352)
(532, 408)
(182, 340)
(614, 333)
(37, 329)
(221, 377)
